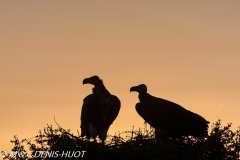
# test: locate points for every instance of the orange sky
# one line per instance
(187, 52)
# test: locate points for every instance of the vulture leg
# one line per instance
(103, 133)
(160, 135)
(93, 131)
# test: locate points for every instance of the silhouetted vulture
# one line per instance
(99, 110)
(168, 118)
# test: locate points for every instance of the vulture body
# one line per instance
(99, 110)
(168, 118)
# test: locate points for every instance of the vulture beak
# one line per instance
(140, 88)
(92, 80)
(133, 89)
(85, 81)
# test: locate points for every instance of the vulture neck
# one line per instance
(143, 96)
(101, 90)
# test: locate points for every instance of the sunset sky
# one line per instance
(185, 51)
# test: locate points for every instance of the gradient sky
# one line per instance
(184, 51)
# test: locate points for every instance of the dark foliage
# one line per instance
(221, 144)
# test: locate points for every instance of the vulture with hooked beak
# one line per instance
(99, 110)
(168, 118)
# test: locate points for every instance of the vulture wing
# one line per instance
(90, 114)
(171, 117)
(112, 110)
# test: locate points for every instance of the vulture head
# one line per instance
(142, 88)
(94, 80)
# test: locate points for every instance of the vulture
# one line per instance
(99, 110)
(168, 118)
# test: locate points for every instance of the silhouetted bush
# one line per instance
(221, 144)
